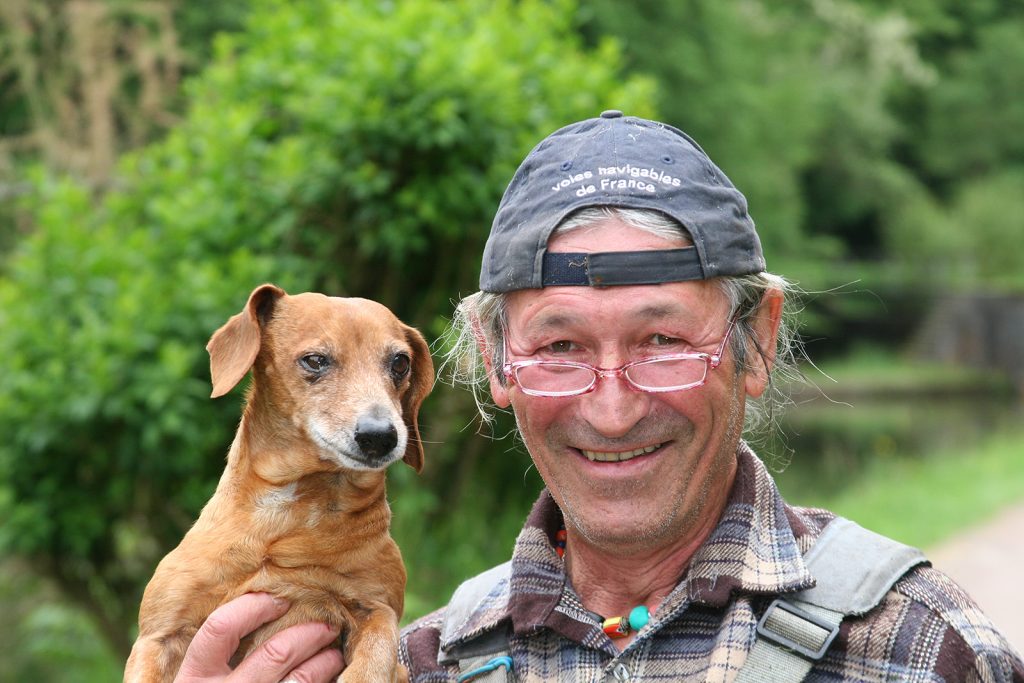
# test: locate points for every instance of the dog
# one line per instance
(300, 510)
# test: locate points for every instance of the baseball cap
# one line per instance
(626, 162)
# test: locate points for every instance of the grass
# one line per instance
(903, 459)
(925, 501)
(921, 451)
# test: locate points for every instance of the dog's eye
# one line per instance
(314, 362)
(399, 366)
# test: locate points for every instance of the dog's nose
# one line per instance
(376, 437)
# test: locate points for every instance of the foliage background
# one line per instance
(158, 160)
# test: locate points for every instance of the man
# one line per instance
(627, 318)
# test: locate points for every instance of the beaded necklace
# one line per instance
(614, 627)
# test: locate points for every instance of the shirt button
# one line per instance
(621, 673)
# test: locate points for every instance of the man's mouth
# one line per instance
(621, 456)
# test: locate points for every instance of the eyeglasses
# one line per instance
(656, 374)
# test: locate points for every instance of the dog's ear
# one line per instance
(420, 384)
(234, 347)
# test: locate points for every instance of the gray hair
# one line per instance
(481, 318)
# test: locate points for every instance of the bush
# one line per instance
(357, 148)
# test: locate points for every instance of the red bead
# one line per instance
(616, 627)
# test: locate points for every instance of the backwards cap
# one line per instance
(627, 162)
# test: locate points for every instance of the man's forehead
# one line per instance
(685, 304)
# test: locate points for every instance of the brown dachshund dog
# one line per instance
(300, 511)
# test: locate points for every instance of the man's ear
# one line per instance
(765, 326)
(420, 384)
(234, 347)
(498, 382)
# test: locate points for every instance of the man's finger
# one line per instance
(218, 637)
(321, 668)
(272, 660)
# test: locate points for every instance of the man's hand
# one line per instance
(293, 654)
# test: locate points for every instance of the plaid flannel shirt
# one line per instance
(925, 629)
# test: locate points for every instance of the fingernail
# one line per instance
(280, 603)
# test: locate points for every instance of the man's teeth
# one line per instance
(619, 457)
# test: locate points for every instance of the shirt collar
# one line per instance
(754, 549)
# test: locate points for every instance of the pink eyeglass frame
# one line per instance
(711, 361)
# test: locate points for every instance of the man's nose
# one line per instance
(613, 408)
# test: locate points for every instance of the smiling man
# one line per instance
(627, 318)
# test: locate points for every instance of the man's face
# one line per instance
(675, 450)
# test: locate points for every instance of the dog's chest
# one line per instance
(277, 505)
(281, 532)
(290, 507)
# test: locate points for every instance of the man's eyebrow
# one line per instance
(557, 320)
(554, 321)
(673, 312)
(658, 311)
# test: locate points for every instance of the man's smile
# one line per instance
(619, 456)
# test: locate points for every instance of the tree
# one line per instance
(83, 80)
(357, 148)
(791, 99)
(961, 228)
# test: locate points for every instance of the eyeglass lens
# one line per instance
(655, 374)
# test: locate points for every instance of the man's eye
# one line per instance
(664, 340)
(560, 346)
(314, 362)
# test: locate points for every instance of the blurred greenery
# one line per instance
(923, 500)
(357, 149)
(81, 82)
(859, 131)
(44, 637)
(875, 405)
(360, 149)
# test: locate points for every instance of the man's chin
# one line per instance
(619, 533)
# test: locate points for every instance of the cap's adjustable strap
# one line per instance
(603, 269)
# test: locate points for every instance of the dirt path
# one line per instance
(988, 561)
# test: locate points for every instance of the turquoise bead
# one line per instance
(639, 617)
